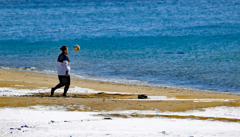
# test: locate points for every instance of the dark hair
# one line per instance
(63, 48)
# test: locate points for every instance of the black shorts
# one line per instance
(65, 80)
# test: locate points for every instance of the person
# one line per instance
(63, 66)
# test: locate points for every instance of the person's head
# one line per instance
(64, 49)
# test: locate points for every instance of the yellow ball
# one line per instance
(76, 48)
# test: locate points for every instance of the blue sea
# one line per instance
(174, 43)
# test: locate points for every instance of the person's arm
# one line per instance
(66, 65)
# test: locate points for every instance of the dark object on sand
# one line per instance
(107, 118)
(142, 96)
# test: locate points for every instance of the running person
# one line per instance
(63, 66)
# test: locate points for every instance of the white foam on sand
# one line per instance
(18, 92)
(47, 122)
(164, 98)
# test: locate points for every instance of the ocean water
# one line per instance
(178, 43)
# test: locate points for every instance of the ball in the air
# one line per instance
(76, 48)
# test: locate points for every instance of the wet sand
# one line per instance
(105, 101)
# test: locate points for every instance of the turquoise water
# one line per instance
(167, 43)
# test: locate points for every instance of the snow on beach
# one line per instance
(18, 92)
(44, 122)
(56, 121)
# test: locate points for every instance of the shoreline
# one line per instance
(107, 96)
(74, 76)
(53, 80)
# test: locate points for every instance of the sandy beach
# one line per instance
(178, 99)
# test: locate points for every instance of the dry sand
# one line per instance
(104, 101)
